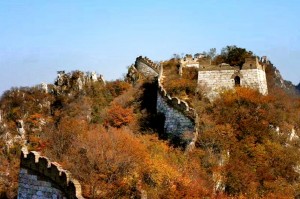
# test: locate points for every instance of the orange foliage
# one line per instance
(117, 87)
(242, 124)
(117, 116)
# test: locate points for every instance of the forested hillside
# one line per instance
(108, 135)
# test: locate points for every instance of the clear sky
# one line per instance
(39, 37)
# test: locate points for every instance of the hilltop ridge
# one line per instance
(181, 143)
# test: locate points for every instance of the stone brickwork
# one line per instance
(179, 117)
(40, 178)
(198, 61)
(176, 123)
(189, 62)
(255, 78)
(214, 79)
(146, 67)
(31, 185)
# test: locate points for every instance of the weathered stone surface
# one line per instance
(176, 123)
(146, 67)
(20, 127)
(215, 78)
(75, 80)
(31, 187)
(94, 76)
(179, 117)
(40, 178)
(44, 87)
(145, 70)
(216, 81)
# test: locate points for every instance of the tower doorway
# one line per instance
(237, 81)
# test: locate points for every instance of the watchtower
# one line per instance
(216, 78)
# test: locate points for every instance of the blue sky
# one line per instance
(39, 37)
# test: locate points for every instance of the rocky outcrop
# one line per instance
(41, 178)
(74, 81)
(275, 79)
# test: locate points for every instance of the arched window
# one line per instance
(237, 81)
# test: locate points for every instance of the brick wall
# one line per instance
(176, 123)
(41, 178)
(146, 67)
(33, 185)
(179, 117)
(215, 81)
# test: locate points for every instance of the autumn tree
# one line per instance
(258, 158)
(117, 116)
(232, 55)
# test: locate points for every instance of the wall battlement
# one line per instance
(41, 178)
(253, 63)
(149, 63)
(179, 118)
(250, 63)
(175, 102)
(146, 67)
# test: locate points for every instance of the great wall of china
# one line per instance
(41, 178)
(180, 119)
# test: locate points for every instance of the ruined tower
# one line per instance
(215, 78)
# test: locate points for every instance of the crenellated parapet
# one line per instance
(149, 62)
(179, 118)
(175, 102)
(41, 178)
(146, 67)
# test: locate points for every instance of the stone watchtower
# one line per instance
(216, 78)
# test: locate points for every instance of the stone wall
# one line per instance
(215, 78)
(255, 78)
(179, 117)
(189, 62)
(215, 81)
(146, 67)
(40, 178)
(196, 62)
(176, 124)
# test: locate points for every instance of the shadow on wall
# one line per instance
(152, 119)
